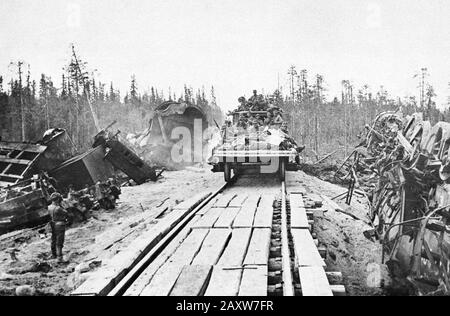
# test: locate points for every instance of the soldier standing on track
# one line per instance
(59, 217)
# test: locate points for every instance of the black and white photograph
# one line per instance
(224, 154)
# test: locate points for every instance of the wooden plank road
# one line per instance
(258, 250)
(239, 200)
(246, 215)
(209, 219)
(227, 217)
(164, 279)
(212, 247)
(236, 250)
(225, 200)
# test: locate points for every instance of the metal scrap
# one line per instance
(404, 166)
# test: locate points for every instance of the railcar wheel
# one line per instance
(282, 170)
(227, 172)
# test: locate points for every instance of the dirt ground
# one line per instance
(105, 233)
(108, 232)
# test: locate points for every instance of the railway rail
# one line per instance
(251, 237)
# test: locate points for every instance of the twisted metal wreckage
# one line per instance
(404, 167)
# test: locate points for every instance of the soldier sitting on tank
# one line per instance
(242, 104)
(253, 98)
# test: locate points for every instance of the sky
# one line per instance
(235, 45)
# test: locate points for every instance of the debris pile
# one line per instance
(25, 204)
(30, 173)
(403, 165)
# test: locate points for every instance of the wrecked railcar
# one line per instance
(20, 161)
(156, 144)
(83, 170)
(23, 204)
(124, 159)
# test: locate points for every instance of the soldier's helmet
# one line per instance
(241, 99)
(55, 196)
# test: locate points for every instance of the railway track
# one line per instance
(251, 237)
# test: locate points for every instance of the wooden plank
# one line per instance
(299, 219)
(296, 200)
(212, 247)
(204, 210)
(11, 176)
(227, 217)
(239, 200)
(263, 217)
(144, 278)
(236, 250)
(314, 282)
(209, 219)
(258, 249)
(266, 201)
(162, 282)
(246, 215)
(192, 281)
(225, 200)
(224, 282)
(15, 161)
(254, 281)
(113, 270)
(192, 202)
(305, 249)
(22, 147)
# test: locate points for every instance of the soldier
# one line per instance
(114, 191)
(242, 104)
(254, 97)
(58, 217)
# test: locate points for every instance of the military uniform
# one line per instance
(59, 217)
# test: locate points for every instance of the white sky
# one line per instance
(236, 45)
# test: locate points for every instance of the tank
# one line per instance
(255, 138)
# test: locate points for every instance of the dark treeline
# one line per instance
(328, 125)
(28, 108)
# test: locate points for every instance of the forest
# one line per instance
(336, 126)
(29, 108)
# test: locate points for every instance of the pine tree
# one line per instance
(112, 94)
(213, 97)
(134, 98)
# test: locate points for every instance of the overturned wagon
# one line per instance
(263, 147)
